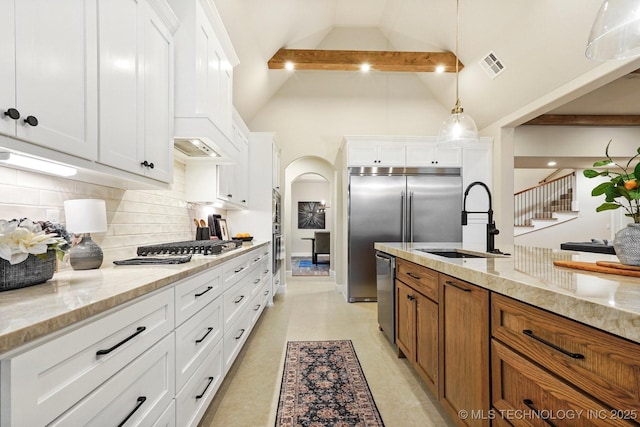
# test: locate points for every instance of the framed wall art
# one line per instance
(311, 216)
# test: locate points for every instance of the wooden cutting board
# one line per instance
(612, 264)
(592, 266)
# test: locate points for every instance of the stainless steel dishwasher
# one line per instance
(386, 293)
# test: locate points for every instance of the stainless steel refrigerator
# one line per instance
(397, 205)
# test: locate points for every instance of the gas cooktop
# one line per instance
(204, 247)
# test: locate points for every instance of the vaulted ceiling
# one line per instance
(541, 44)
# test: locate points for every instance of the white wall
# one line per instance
(303, 191)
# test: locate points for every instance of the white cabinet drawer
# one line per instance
(235, 300)
(258, 302)
(196, 292)
(235, 337)
(139, 394)
(193, 400)
(254, 278)
(235, 269)
(258, 257)
(42, 383)
(168, 418)
(195, 338)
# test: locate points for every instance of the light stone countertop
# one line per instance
(606, 301)
(72, 296)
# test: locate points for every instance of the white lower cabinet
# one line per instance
(194, 398)
(156, 361)
(136, 396)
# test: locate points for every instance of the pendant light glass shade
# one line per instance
(459, 127)
(616, 31)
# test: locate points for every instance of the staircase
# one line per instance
(544, 205)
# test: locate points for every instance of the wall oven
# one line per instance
(277, 252)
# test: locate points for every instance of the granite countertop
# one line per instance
(605, 301)
(71, 296)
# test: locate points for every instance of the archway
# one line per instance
(308, 166)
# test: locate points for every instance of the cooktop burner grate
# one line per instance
(204, 247)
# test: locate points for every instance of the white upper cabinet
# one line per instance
(431, 154)
(48, 74)
(204, 75)
(376, 153)
(136, 88)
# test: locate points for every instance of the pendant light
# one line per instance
(459, 127)
(615, 33)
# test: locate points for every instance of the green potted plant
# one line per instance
(621, 190)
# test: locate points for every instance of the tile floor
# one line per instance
(311, 309)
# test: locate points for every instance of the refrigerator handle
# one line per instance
(411, 216)
(403, 218)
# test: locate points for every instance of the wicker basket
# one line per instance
(29, 272)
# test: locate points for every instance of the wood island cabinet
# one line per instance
(464, 350)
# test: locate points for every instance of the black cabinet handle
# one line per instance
(241, 332)
(240, 298)
(450, 283)
(266, 271)
(266, 293)
(230, 196)
(257, 307)
(139, 330)
(244, 201)
(146, 164)
(203, 292)
(12, 113)
(205, 336)
(410, 297)
(205, 389)
(140, 400)
(31, 121)
(529, 404)
(238, 270)
(414, 276)
(255, 282)
(529, 333)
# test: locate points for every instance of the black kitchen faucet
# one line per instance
(491, 225)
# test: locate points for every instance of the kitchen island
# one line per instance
(496, 337)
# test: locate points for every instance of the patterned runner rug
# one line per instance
(304, 267)
(323, 385)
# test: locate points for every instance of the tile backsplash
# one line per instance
(135, 217)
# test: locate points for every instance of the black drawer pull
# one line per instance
(266, 271)
(529, 403)
(205, 336)
(450, 283)
(203, 292)
(257, 307)
(31, 121)
(413, 276)
(266, 293)
(256, 259)
(205, 389)
(241, 333)
(139, 330)
(410, 297)
(255, 282)
(141, 400)
(238, 270)
(240, 298)
(529, 333)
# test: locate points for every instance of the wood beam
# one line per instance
(585, 120)
(350, 60)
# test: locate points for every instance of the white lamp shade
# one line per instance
(616, 31)
(85, 216)
(459, 127)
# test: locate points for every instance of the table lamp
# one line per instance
(85, 216)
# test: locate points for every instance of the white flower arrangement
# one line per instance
(19, 238)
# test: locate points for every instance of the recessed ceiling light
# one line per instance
(551, 163)
(440, 69)
(289, 65)
(365, 67)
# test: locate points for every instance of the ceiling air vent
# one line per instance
(492, 65)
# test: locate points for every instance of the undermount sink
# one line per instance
(452, 253)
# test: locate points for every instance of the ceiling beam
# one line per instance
(585, 120)
(350, 60)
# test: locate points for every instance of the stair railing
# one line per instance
(544, 199)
